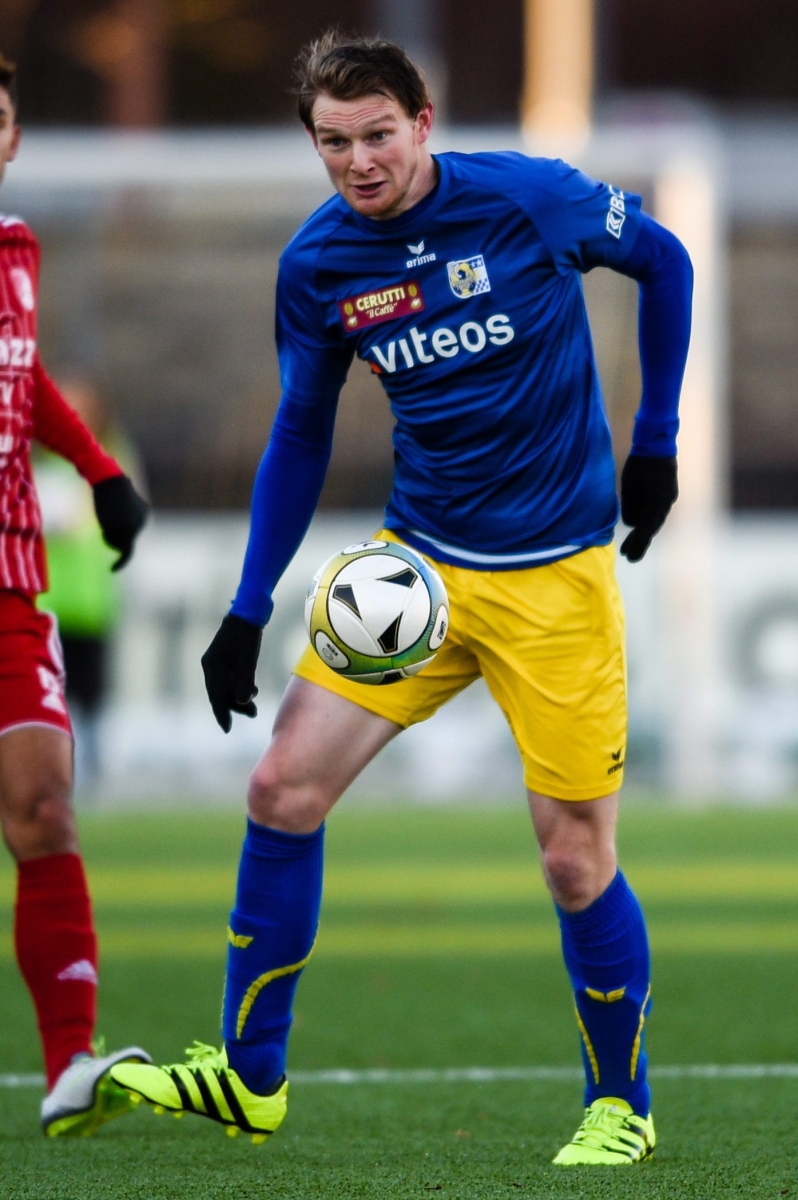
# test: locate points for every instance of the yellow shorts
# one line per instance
(549, 642)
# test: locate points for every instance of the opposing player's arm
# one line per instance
(284, 498)
(121, 512)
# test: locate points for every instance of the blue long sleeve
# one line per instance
(287, 489)
(662, 267)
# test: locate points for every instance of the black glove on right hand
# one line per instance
(229, 665)
(648, 490)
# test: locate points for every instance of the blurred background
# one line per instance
(163, 169)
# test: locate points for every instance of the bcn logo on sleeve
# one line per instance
(385, 304)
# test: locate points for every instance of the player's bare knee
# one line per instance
(274, 799)
(40, 821)
(570, 875)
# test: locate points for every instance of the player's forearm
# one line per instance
(58, 427)
(662, 267)
(287, 489)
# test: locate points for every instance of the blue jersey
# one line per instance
(470, 309)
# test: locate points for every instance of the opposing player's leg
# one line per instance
(54, 933)
(605, 947)
(321, 742)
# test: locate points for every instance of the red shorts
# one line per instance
(31, 666)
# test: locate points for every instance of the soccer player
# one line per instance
(457, 278)
(54, 933)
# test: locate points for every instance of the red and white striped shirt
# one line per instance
(30, 407)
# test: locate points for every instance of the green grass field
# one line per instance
(438, 948)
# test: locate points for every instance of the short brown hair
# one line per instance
(348, 67)
(8, 79)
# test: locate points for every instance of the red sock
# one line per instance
(57, 954)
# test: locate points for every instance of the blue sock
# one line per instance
(606, 953)
(272, 930)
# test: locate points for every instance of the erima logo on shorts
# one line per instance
(385, 304)
(617, 214)
(444, 343)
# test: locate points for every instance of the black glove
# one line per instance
(121, 513)
(229, 665)
(648, 490)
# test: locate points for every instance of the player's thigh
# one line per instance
(551, 645)
(35, 732)
(320, 741)
(35, 791)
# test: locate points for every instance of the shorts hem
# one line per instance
(575, 794)
(379, 710)
(40, 724)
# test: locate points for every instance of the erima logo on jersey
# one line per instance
(383, 305)
(617, 214)
(419, 257)
(468, 277)
(445, 343)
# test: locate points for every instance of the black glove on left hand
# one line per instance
(121, 513)
(229, 667)
(648, 490)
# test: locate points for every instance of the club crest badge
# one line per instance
(468, 277)
(23, 287)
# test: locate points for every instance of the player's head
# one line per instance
(9, 129)
(367, 108)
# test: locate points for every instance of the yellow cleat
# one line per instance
(611, 1134)
(208, 1086)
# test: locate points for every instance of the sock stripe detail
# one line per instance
(638, 1036)
(606, 997)
(254, 989)
(239, 940)
(591, 1053)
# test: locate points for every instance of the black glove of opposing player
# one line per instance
(121, 513)
(229, 665)
(648, 490)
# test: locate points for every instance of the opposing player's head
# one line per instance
(367, 108)
(9, 129)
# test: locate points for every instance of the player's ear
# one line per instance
(424, 122)
(15, 143)
(311, 132)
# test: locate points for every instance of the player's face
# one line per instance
(375, 154)
(9, 131)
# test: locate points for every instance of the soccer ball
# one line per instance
(377, 612)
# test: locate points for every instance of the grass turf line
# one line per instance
(486, 1004)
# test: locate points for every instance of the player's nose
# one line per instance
(362, 162)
